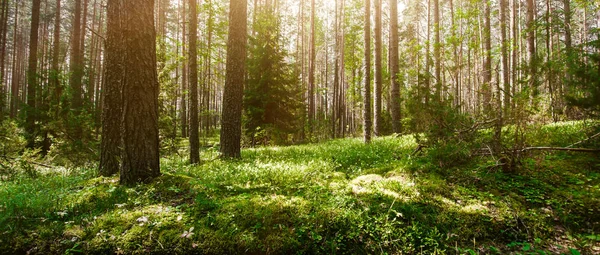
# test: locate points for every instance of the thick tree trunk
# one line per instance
(112, 107)
(231, 128)
(367, 123)
(378, 71)
(193, 67)
(140, 94)
(395, 69)
(32, 81)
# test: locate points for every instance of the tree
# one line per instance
(437, 51)
(394, 69)
(231, 127)
(367, 123)
(110, 145)
(311, 72)
(76, 66)
(487, 63)
(272, 97)
(504, 48)
(140, 94)
(32, 75)
(193, 81)
(531, 46)
(55, 73)
(378, 70)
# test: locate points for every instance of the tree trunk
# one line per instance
(231, 128)
(367, 123)
(487, 65)
(55, 73)
(110, 146)
(531, 47)
(32, 81)
(311, 71)
(184, 81)
(504, 48)
(395, 69)
(378, 71)
(76, 73)
(437, 51)
(140, 94)
(193, 67)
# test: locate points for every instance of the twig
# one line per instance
(419, 149)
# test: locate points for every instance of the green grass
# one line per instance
(337, 197)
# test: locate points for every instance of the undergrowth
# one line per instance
(337, 197)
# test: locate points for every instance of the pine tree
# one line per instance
(231, 127)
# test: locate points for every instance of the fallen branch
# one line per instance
(476, 126)
(29, 161)
(559, 149)
(584, 140)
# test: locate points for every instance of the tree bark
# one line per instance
(55, 73)
(112, 107)
(140, 94)
(504, 48)
(437, 51)
(193, 81)
(395, 69)
(367, 122)
(378, 71)
(311, 71)
(231, 127)
(76, 66)
(32, 80)
(531, 46)
(487, 64)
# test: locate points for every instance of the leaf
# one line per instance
(574, 252)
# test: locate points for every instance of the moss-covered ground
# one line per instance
(335, 197)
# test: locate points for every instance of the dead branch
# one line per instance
(584, 140)
(559, 149)
(476, 126)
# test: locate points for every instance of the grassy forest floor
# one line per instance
(335, 197)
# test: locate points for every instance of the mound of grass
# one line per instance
(337, 197)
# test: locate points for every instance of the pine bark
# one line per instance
(112, 107)
(231, 128)
(30, 127)
(140, 94)
(193, 83)
(55, 72)
(487, 63)
(378, 71)
(367, 122)
(311, 71)
(531, 46)
(437, 51)
(504, 48)
(76, 65)
(394, 69)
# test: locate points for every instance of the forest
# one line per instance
(300, 127)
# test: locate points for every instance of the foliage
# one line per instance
(272, 97)
(584, 88)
